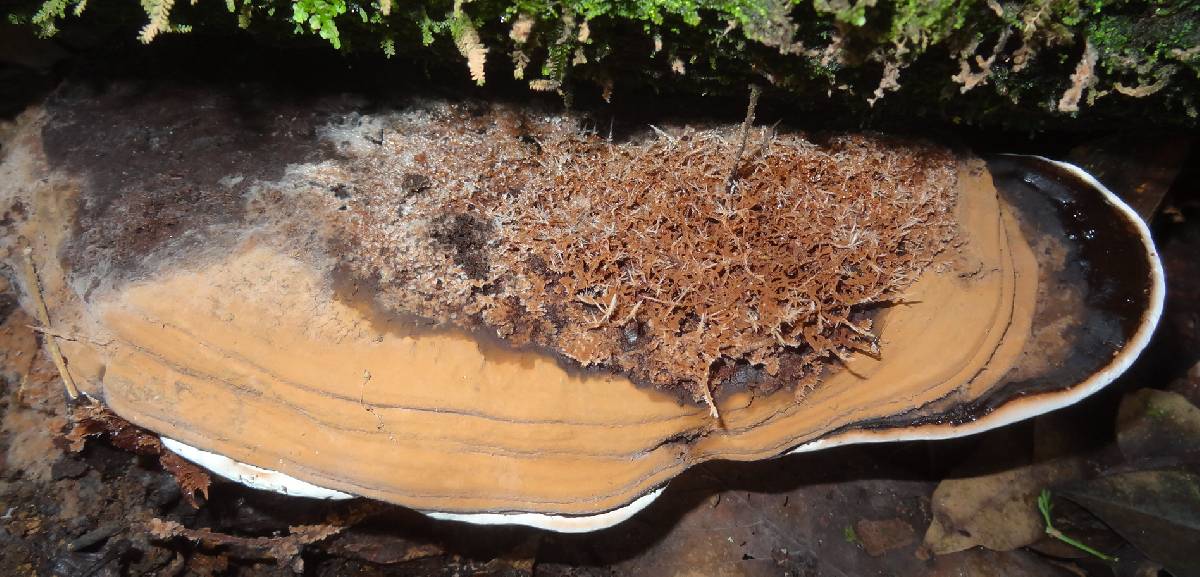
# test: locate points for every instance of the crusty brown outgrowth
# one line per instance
(635, 256)
(92, 419)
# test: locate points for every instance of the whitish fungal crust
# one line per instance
(635, 256)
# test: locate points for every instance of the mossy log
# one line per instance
(1023, 64)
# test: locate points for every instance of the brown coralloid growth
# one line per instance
(644, 257)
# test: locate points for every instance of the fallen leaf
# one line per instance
(1075, 521)
(92, 419)
(382, 548)
(283, 549)
(519, 561)
(1156, 511)
(996, 511)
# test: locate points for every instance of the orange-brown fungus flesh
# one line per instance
(633, 256)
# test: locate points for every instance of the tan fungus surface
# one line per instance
(253, 358)
(253, 353)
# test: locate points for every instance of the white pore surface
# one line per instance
(251, 476)
(559, 523)
(267, 480)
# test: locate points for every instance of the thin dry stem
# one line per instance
(755, 91)
(35, 287)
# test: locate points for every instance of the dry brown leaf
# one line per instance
(92, 419)
(997, 511)
(381, 548)
(1162, 424)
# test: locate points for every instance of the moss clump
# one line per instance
(978, 59)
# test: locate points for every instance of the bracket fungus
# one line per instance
(493, 315)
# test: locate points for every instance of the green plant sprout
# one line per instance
(850, 535)
(1044, 505)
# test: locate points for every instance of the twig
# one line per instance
(44, 317)
(607, 310)
(21, 388)
(1044, 505)
(706, 389)
(737, 160)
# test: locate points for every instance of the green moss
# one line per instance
(318, 16)
(982, 58)
(925, 22)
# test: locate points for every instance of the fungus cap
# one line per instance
(266, 356)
